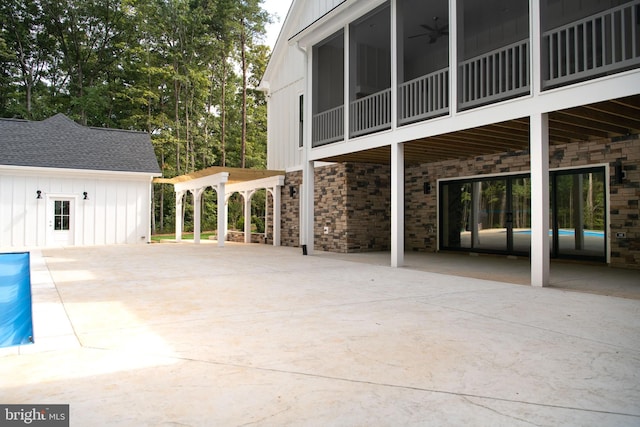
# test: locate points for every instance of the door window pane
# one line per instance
(521, 209)
(490, 213)
(580, 214)
(455, 208)
(61, 215)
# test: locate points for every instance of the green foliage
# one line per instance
(170, 68)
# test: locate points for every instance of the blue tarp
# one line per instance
(16, 324)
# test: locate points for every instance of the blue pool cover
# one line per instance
(16, 324)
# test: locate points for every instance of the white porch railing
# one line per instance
(370, 113)
(602, 43)
(424, 97)
(598, 44)
(328, 126)
(496, 75)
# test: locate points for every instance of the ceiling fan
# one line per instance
(434, 32)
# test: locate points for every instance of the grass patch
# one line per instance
(185, 236)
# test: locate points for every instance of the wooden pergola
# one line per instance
(226, 181)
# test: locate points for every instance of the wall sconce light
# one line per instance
(426, 188)
(38, 194)
(292, 191)
(85, 196)
(621, 174)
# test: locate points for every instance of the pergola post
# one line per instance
(197, 197)
(179, 197)
(275, 192)
(247, 215)
(222, 213)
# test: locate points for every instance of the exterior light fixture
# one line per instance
(38, 194)
(85, 196)
(426, 189)
(620, 173)
(292, 191)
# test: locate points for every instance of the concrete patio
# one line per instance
(197, 335)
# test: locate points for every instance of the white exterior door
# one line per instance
(62, 221)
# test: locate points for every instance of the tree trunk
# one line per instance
(176, 91)
(223, 113)
(243, 48)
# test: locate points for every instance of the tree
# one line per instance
(184, 71)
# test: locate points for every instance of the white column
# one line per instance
(397, 205)
(276, 215)
(453, 55)
(396, 52)
(539, 145)
(222, 214)
(307, 206)
(197, 196)
(179, 195)
(247, 215)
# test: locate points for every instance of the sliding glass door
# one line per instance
(493, 214)
(483, 214)
(579, 214)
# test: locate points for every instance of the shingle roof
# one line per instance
(59, 142)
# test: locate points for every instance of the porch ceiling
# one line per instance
(609, 119)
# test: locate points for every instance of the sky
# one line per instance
(275, 7)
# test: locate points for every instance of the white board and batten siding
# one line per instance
(117, 209)
(286, 86)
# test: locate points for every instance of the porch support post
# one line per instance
(539, 147)
(222, 213)
(247, 215)
(197, 196)
(306, 207)
(276, 215)
(179, 196)
(397, 205)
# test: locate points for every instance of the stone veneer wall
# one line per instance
(289, 211)
(331, 208)
(368, 207)
(421, 209)
(353, 202)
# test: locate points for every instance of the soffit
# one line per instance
(608, 119)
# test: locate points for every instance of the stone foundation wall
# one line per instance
(352, 208)
(331, 188)
(290, 210)
(238, 237)
(354, 200)
(421, 209)
(368, 207)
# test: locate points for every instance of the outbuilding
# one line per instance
(63, 184)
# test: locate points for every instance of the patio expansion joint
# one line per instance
(527, 325)
(465, 396)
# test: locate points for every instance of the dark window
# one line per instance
(301, 121)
